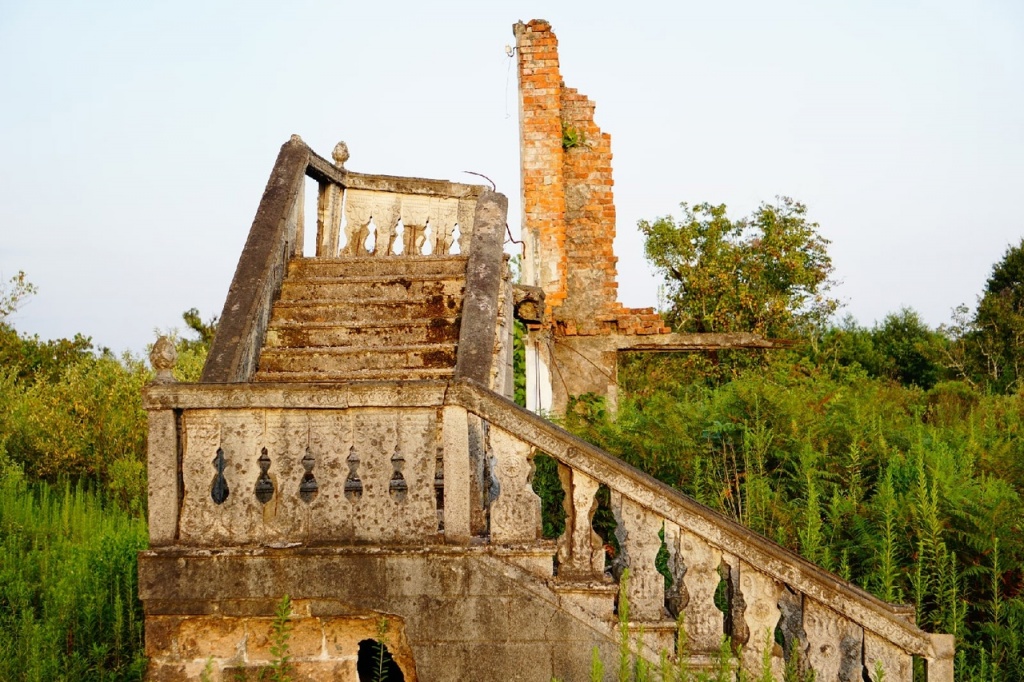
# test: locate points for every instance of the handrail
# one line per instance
(770, 558)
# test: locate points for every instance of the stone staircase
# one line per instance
(350, 319)
(352, 445)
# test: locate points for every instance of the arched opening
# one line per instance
(375, 663)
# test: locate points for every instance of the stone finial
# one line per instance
(163, 357)
(340, 154)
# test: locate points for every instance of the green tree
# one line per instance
(997, 337)
(14, 293)
(986, 349)
(768, 273)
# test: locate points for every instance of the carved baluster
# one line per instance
(385, 217)
(705, 623)
(415, 215)
(834, 644)
(580, 550)
(676, 597)
(443, 218)
(357, 227)
(761, 614)
(515, 513)
(637, 533)
(895, 664)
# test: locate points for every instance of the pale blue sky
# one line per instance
(135, 138)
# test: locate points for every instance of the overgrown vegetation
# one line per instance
(891, 455)
(68, 596)
(72, 502)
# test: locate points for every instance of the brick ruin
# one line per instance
(568, 233)
(352, 444)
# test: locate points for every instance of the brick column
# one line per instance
(540, 123)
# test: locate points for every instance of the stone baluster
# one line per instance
(358, 213)
(637, 532)
(580, 550)
(515, 513)
(415, 215)
(676, 597)
(895, 664)
(442, 221)
(705, 623)
(761, 615)
(834, 644)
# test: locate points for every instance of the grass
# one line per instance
(69, 608)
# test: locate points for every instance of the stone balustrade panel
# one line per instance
(705, 622)
(835, 645)
(393, 501)
(515, 512)
(430, 225)
(637, 532)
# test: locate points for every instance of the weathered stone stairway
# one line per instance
(348, 319)
(352, 445)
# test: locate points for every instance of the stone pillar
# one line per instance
(455, 436)
(164, 491)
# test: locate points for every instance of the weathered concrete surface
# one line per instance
(358, 445)
(465, 614)
(225, 647)
(484, 274)
(162, 471)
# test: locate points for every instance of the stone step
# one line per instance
(297, 288)
(358, 358)
(322, 310)
(367, 333)
(408, 266)
(395, 374)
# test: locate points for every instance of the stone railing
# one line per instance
(390, 463)
(357, 215)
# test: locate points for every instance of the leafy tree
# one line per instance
(768, 273)
(998, 335)
(987, 348)
(205, 330)
(902, 348)
(14, 293)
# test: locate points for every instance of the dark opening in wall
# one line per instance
(375, 663)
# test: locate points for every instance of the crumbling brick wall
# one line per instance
(568, 206)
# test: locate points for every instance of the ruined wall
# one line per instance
(568, 206)
(452, 614)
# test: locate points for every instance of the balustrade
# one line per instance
(393, 466)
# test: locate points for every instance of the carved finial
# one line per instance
(340, 154)
(163, 357)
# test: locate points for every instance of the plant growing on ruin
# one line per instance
(280, 647)
(380, 669)
(573, 137)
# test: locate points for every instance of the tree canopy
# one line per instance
(769, 273)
